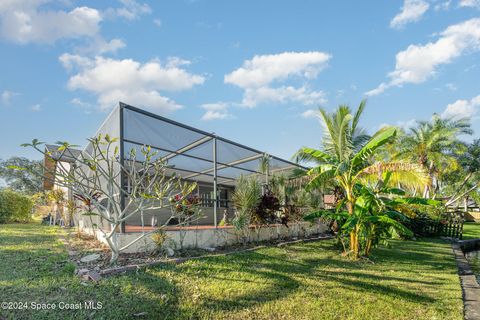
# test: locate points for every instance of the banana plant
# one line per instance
(377, 215)
(345, 161)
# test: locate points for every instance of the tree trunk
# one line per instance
(452, 200)
(114, 258)
(459, 189)
(114, 245)
(368, 247)
(354, 245)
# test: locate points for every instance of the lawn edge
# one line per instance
(468, 282)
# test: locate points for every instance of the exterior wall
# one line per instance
(221, 237)
(472, 216)
(62, 166)
(49, 173)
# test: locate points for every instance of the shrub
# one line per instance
(15, 207)
(159, 237)
(246, 198)
(266, 210)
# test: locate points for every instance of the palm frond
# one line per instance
(380, 138)
(402, 173)
(314, 155)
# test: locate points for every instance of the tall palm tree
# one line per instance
(344, 135)
(344, 159)
(434, 145)
(470, 166)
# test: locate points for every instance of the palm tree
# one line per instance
(344, 135)
(470, 166)
(434, 145)
(344, 160)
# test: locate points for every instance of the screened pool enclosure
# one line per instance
(212, 162)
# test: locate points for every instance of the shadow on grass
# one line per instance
(280, 277)
(256, 278)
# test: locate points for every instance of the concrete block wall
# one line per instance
(221, 237)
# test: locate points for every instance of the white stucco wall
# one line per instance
(213, 238)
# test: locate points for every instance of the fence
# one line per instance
(451, 225)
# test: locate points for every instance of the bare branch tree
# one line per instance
(95, 177)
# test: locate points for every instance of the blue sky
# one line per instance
(251, 71)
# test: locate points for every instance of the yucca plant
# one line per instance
(246, 198)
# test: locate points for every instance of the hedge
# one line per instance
(14, 207)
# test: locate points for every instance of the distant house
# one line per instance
(329, 201)
(465, 204)
(469, 206)
(55, 160)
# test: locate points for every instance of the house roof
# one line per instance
(52, 153)
(68, 155)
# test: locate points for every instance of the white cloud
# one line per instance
(131, 10)
(462, 108)
(419, 62)
(36, 107)
(259, 76)
(100, 46)
(412, 11)
(311, 114)
(130, 81)
(254, 96)
(157, 22)
(470, 3)
(6, 96)
(263, 70)
(69, 61)
(216, 111)
(31, 21)
(378, 90)
(85, 106)
(25, 21)
(405, 125)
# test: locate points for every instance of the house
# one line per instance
(212, 162)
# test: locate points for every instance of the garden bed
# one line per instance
(81, 245)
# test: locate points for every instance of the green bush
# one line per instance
(14, 207)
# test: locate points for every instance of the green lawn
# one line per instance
(412, 280)
(471, 230)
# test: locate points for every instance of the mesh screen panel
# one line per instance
(147, 130)
(189, 151)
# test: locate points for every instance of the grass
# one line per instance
(411, 280)
(471, 230)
